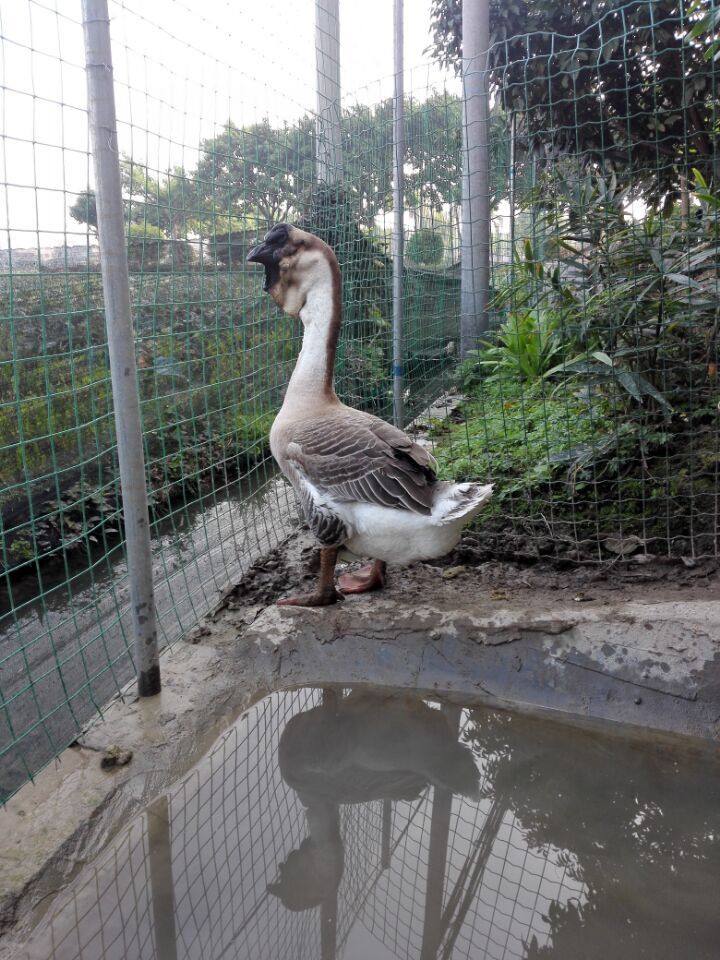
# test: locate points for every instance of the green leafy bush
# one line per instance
(426, 246)
(527, 346)
(147, 245)
(518, 435)
(594, 406)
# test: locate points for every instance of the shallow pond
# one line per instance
(367, 826)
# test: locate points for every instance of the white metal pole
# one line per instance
(121, 339)
(512, 192)
(475, 241)
(398, 213)
(327, 61)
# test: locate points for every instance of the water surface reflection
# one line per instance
(365, 826)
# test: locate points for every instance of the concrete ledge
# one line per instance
(650, 666)
(635, 667)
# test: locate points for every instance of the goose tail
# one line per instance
(460, 502)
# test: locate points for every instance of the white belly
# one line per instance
(397, 536)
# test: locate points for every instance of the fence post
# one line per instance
(441, 813)
(162, 887)
(121, 340)
(398, 212)
(475, 240)
(512, 193)
(328, 152)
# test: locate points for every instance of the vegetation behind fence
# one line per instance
(594, 404)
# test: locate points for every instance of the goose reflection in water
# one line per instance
(521, 839)
(355, 750)
(616, 840)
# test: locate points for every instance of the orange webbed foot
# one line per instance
(368, 578)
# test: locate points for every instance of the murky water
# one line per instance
(370, 827)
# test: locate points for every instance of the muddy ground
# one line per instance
(467, 574)
(630, 646)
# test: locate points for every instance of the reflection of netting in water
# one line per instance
(496, 892)
(232, 821)
(213, 847)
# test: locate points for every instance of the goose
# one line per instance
(372, 746)
(363, 485)
(367, 747)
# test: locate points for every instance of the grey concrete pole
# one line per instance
(398, 212)
(459, 902)
(437, 856)
(162, 887)
(475, 240)
(387, 813)
(327, 62)
(121, 339)
(328, 927)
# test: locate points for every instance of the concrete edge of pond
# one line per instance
(629, 667)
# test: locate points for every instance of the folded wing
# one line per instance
(356, 457)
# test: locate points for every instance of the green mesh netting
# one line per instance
(592, 405)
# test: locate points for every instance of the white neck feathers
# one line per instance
(313, 371)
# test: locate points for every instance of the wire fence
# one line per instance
(209, 162)
(242, 850)
(592, 405)
(324, 825)
(594, 401)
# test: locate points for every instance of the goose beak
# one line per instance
(260, 253)
(263, 253)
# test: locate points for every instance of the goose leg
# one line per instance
(325, 592)
(370, 577)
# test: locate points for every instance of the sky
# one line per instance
(182, 68)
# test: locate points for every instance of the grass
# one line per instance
(571, 464)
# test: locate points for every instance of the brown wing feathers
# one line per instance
(359, 457)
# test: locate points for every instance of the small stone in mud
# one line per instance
(451, 572)
(196, 635)
(499, 595)
(115, 756)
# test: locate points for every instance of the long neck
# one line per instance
(323, 820)
(313, 373)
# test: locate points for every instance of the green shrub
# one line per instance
(147, 245)
(426, 246)
(527, 346)
(520, 437)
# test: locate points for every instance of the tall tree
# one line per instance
(166, 203)
(368, 159)
(620, 85)
(258, 173)
(169, 202)
(84, 209)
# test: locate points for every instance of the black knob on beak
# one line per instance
(269, 252)
(262, 253)
(266, 253)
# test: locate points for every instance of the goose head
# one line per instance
(310, 874)
(296, 263)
